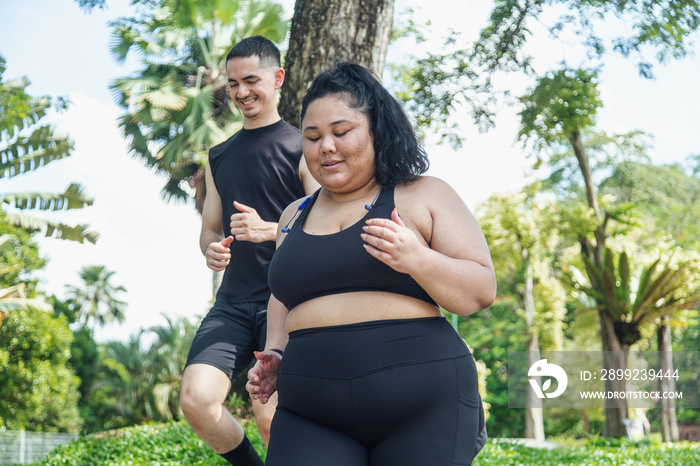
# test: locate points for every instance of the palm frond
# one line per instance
(655, 289)
(15, 304)
(594, 274)
(623, 267)
(73, 198)
(26, 154)
(15, 291)
(265, 18)
(20, 110)
(168, 96)
(128, 36)
(173, 192)
(226, 10)
(50, 229)
(644, 282)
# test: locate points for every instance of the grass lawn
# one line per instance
(594, 452)
(175, 443)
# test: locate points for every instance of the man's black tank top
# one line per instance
(259, 168)
(309, 266)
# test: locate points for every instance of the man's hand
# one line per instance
(248, 226)
(218, 254)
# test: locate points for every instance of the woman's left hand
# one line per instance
(392, 242)
(262, 378)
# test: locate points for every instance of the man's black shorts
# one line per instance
(228, 335)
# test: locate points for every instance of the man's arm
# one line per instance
(248, 226)
(211, 238)
(310, 184)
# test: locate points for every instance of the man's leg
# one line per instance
(203, 391)
(263, 416)
(263, 412)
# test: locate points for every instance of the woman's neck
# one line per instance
(367, 191)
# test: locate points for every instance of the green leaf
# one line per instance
(72, 198)
(51, 229)
(26, 154)
(644, 284)
(594, 273)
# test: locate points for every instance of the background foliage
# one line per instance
(175, 107)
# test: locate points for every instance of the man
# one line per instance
(250, 179)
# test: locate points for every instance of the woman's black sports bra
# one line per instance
(307, 266)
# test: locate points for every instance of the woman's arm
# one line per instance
(433, 237)
(262, 378)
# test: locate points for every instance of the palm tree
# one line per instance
(167, 356)
(177, 106)
(125, 379)
(663, 289)
(96, 301)
(561, 110)
(25, 147)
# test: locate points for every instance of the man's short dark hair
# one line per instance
(262, 47)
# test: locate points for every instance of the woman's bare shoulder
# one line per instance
(425, 190)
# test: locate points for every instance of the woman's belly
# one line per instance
(350, 308)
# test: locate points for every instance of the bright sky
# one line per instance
(153, 246)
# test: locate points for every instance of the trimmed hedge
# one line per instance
(175, 443)
(156, 444)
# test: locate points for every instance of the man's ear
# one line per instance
(279, 78)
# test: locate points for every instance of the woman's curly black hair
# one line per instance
(398, 156)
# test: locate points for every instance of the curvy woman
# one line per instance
(367, 369)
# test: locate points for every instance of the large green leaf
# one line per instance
(73, 198)
(167, 96)
(51, 229)
(26, 154)
(595, 275)
(624, 271)
(644, 283)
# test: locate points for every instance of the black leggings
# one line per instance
(386, 393)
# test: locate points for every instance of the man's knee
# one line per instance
(203, 390)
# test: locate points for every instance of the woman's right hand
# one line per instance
(262, 378)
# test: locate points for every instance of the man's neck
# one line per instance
(255, 123)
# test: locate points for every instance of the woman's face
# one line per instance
(338, 145)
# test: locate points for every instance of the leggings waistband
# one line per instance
(349, 350)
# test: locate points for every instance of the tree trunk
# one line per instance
(669, 425)
(586, 422)
(324, 32)
(534, 422)
(591, 195)
(615, 357)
